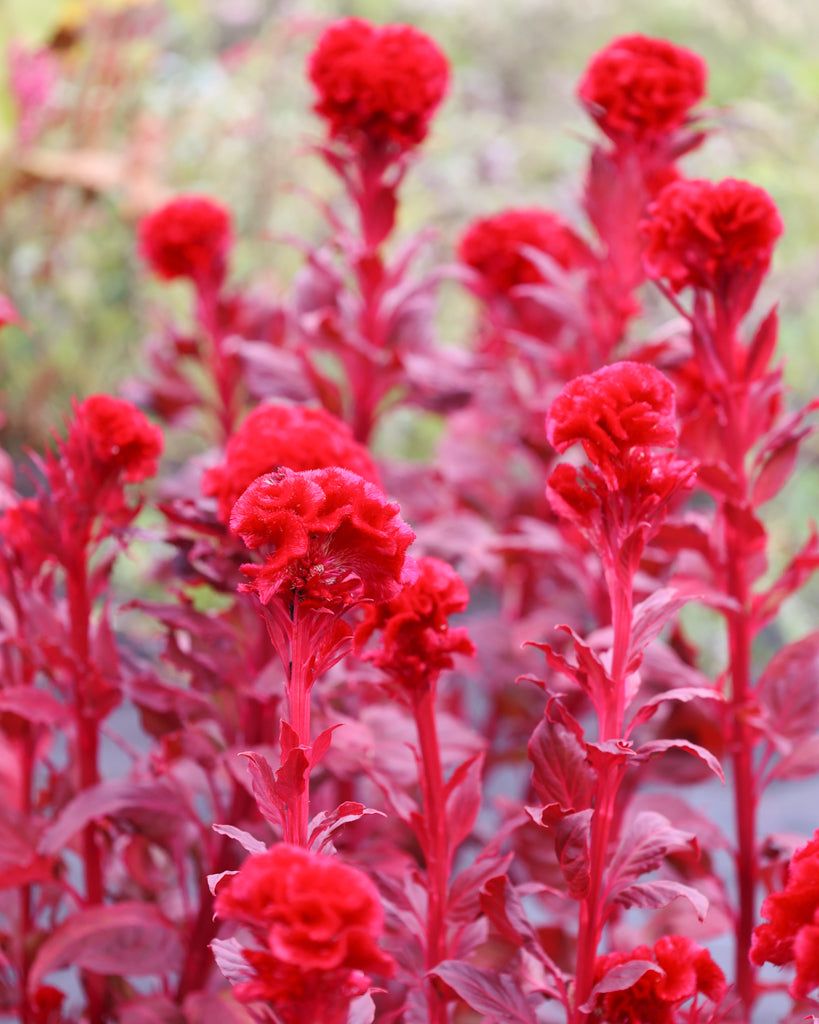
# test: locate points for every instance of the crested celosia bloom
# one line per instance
(377, 84)
(791, 933)
(417, 642)
(297, 437)
(495, 247)
(120, 437)
(688, 970)
(190, 236)
(639, 88)
(329, 536)
(619, 414)
(316, 922)
(711, 235)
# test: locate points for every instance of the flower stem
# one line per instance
(298, 710)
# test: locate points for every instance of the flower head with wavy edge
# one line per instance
(638, 88)
(316, 922)
(495, 246)
(297, 437)
(331, 538)
(121, 438)
(377, 85)
(791, 933)
(189, 236)
(417, 642)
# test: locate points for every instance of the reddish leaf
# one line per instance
(767, 604)
(643, 845)
(659, 893)
(321, 744)
(800, 763)
(561, 777)
(264, 787)
(653, 613)
(572, 849)
(124, 939)
(788, 691)
(248, 842)
(326, 823)
(33, 704)
(463, 799)
(495, 995)
(291, 778)
(230, 960)
(465, 891)
(762, 346)
(682, 694)
(213, 1007)
(619, 978)
(657, 747)
(501, 904)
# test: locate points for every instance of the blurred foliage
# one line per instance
(159, 97)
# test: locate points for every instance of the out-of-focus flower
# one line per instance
(687, 969)
(121, 438)
(639, 88)
(718, 236)
(316, 921)
(8, 312)
(417, 641)
(791, 933)
(377, 85)
(190, 236)
(495, 247)
(297, 437)
(331, 537)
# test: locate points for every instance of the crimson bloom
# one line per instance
(377, 84)
(687, 969)
(316, 922)
(190, 236)
(791, 933)
(639, 88)
(121, 438)
(717, 236)
(494, 246)
(296, 436)
(332, 538)
(417, 641)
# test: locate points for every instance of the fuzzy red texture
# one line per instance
(493, 246)
(791, 933)
(190, 236)
(687, 970)
(639, 88)
(417, 641)
(621, 406)
(705, 234)
(296, 436)
(121, 438)
(377, 84)
(333, 538)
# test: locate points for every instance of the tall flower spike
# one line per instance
(639, 88)
(331, 538)
(377, 85)
(297, 437)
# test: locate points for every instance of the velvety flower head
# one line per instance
(624, 405)
(377, 85)
(494, 246)
(640, 88)
(791, 933)
(190, 236)
(330, 537)
(317, 922)
(298, 437)
(713, 235)
(654, 998)
(121, 438)
(417, 642)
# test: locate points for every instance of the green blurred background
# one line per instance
(157, 98)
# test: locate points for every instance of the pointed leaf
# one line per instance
(572, 849)
(264, 787)
(231, 961)
(249, 842)
(682, 694)
(620, 978)
(657, 747)
(463, 799)
(561, 775)
(495, 995)
(32, 704)
(643, 845)
(326, 823)
(788, 690)
(659, 893)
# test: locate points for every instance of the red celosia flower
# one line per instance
(190, 236)
(621, 406)
(494, 246)
(317, 922)
(297, 437)
(640, 88)
(334, 537)
(687, 970)
(418, 643)
(377, 85)
(791, 933)
(711, 235)
(121, 438)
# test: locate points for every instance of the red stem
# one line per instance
(298, 710)
(438, 853)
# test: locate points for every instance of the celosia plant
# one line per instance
(293, 787)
